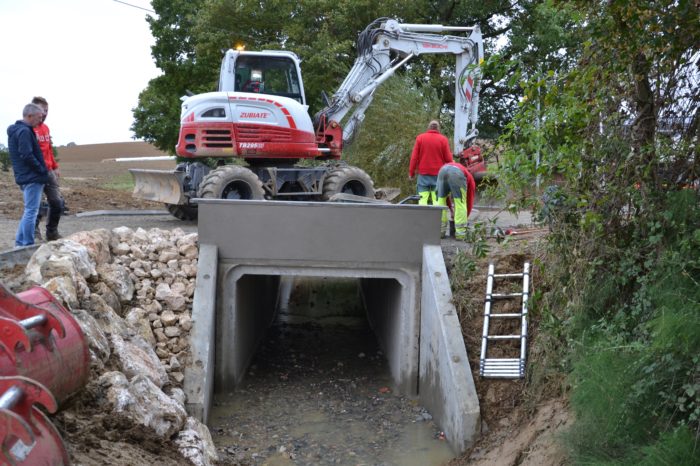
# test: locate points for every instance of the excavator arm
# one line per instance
(385, 46)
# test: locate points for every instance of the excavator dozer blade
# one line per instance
(158, 185)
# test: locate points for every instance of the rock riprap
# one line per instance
(131, 291)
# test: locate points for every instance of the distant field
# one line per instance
(99, 152)
(91, 179)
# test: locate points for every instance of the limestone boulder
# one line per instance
(173, 299)
(108, 320)
(189, 251)
(61, 252)
(97, 243)
(135, 357)
(63, 289)
(140, 402)
(141, 236)
(121, 235)
(138, 319)
(96, 339)
(167, 255)
(117, 278)
(194, 443)
(108, 295)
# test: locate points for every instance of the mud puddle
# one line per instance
(322, 394)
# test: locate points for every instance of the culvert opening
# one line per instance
(319, 387)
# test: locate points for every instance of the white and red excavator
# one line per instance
(259, 114)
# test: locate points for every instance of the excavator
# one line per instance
(259, 114)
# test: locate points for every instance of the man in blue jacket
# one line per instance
(29, 168)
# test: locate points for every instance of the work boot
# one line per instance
(52, 236)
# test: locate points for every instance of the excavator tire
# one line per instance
(231, 182)
(348, 180)
(182, 212)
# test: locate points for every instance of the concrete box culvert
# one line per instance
(247, 248)
(249, 303)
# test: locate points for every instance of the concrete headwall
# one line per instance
(446, 384)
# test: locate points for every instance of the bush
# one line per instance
(636, 372)
(4, 159)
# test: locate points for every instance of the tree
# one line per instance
(156, 117)
(618, 134)
(190, 36)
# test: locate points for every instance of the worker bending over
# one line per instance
(454, 179)
(430, 152)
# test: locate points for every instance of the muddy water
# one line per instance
(319, 391)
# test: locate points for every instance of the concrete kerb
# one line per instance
(17, 256)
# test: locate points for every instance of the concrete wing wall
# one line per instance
(446, 385)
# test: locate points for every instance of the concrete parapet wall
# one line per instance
(446, 384)
(318, 231)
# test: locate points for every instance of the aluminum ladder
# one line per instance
(504, 368)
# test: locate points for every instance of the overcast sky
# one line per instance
(88, 58)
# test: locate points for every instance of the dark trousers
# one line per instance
(55, 200)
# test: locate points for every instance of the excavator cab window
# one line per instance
(268, 75)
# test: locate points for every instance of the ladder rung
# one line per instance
(508, 275)
(501, 361)
(505, 337)
(503, 368)
(505, 375)
(517, 314)
(504, 295)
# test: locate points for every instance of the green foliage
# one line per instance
(383, 145)
(157, 115)
(678, 447)
(4, 158)
(617, 135)
(636, 373)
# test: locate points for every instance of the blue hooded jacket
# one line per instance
(27, 160)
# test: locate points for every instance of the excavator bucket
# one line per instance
(158, 185)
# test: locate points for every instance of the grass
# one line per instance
(123, 182)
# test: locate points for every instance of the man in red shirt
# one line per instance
(455, 180)
(51, 190)
(430, 152)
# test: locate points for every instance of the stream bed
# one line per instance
(319, 391)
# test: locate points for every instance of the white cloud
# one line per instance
(89, 58)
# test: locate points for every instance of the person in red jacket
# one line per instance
(430, 152)
(51, 189)
(455, 180)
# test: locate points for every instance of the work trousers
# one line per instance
(426, 187)
(56, 203)
(31, 194)
(451, 181)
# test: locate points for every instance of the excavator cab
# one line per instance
(270, 72)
